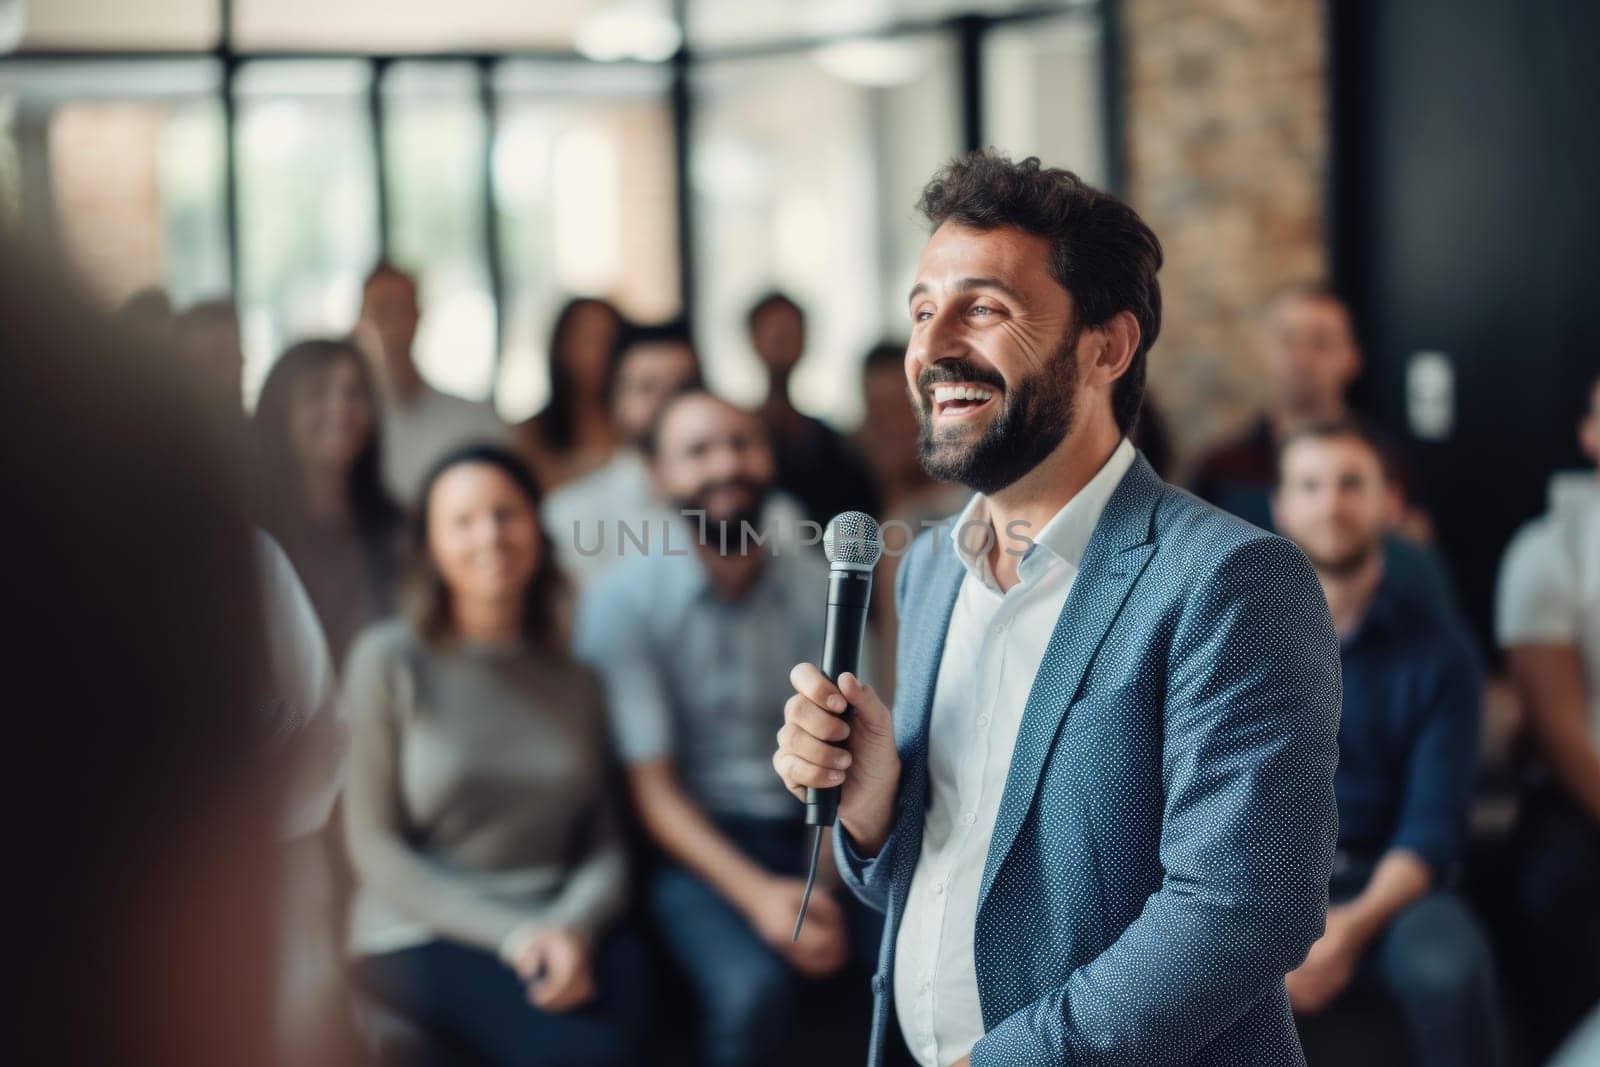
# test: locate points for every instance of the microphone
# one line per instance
(853, 545)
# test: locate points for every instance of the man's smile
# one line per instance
(961, 400)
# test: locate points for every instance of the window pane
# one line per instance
(805, 172)
(585, 191)
(434, 140)
(307, 218)
(122, 163)
(1042, 93)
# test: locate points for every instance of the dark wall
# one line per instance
(1464, 187)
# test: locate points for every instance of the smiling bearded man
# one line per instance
(1100, 818)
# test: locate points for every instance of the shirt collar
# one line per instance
(1064, 538)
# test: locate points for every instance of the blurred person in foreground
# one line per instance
(695, 645)
(322, 494)
(1101, 818)
(1309, 356)
(483, 836)
(147, 766)
(1547, 621)
(616, 511)
(815, 464)
(420, 423)
(573, 434)
(1408, 747)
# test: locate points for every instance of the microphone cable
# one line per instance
(811, 878)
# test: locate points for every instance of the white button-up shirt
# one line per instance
(992, 651)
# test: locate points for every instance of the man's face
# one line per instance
(779, 336)
(992, 364)
(210, 344)
(1310, 354)
(646, 376)
(588, 346)
(713, 458)
(1332, 501)
(390, 304)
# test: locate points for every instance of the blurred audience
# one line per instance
(207, 338)
(420, 423)
(814, 463)
(1408, 740)
(1547, 621)
(1309, 357)
(573, 434)
(148, 311)
(695, 648)
(322, 494)
(479, 822)
(480, 802)
(615, 510)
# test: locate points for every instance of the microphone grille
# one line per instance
(852, 539)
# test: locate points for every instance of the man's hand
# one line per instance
(1329, 965)
(868, 767)
(555, 966)
(823, 946)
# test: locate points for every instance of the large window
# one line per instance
(513, 157)
(435, 144)
(805, 171)
(586, 193)
(308, 229)
(1043, 93)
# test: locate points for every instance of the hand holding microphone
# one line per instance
(818, 749)
(821, 741)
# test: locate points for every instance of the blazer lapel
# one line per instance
(1121, 546)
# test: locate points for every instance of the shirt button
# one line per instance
(983, 720)
(968, 818)
(938, 889)
(926, 986)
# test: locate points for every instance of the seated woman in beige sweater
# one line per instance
(488, 860)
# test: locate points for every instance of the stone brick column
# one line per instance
(1227, 147)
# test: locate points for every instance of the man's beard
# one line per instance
(1033, 419)
(693, 508)
(1348, 562)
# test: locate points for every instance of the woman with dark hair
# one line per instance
(573, 433)
(322, 494)
(476, 804)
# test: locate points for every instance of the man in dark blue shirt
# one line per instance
(1408, 746)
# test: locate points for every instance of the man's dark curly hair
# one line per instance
(1101, 250)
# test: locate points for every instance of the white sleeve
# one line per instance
(303, 688)
(1536, 600)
